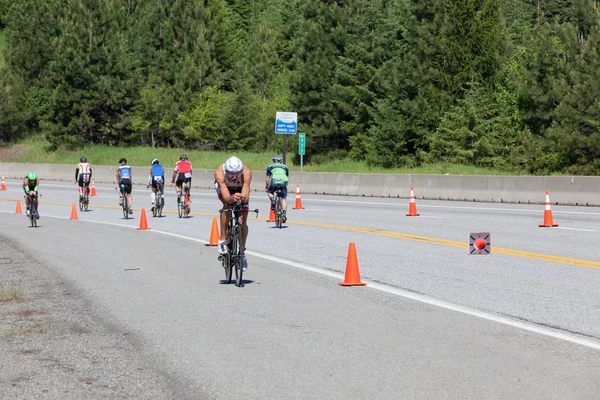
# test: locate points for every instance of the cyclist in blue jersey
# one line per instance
(124, 180)
(277, 179)
(156, 179)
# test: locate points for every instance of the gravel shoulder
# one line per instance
(52, 346)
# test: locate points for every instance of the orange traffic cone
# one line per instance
(271, 215)
(18, 210)
(143, 221)
(298, 199)
(352, 277)
(3, 184)
(93, 188)
(74, 212)
(412, 206)
(547, 213)
(214, 234)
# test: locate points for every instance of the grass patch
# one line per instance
(11, 293)
(35, 150)
(35, 327)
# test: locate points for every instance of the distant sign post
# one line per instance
(286, 123)
(301, 148)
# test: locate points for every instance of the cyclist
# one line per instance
(277, 179)
(232, 182)
(83, 175)
(124, 178)
(183, 172)
(30, 186)
(156, 179)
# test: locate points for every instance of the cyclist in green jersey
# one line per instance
(277, 178)
(30, 187)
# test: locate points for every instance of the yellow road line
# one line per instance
(396, 235)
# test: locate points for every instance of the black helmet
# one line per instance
(155, 161)
(123, 160)
(183, 157)
(83, 159)
(277, 159)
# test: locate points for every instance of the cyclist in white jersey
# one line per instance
(83, 175)
(232, 183)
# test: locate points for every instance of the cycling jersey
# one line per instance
(157, 176)
(125, 172)
(278, 172)
(83, 173)
(30, 186)
(157, 170)
(183, 167)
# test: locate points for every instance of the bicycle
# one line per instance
(183, 207)
(278, 208)
(125, 202)
(84, 200)
(32, 209)
(234, 257)
(159, 201)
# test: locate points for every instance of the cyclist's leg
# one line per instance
(120, 194)
(243, 223)
(188, 186)
(284, 193)
(153, 193)
(37, 205)
(128, 189)
(80, 187)
(178, 183)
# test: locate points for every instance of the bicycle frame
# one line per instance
(32, 208)
(235, 246)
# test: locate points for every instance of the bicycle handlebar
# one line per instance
(236, 207)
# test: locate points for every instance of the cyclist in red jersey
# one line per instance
(183, 172)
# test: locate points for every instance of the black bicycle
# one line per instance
(159, 201)
(278, 208)
(84, 199)
(183, 206)
(234, 257)
(32, 209)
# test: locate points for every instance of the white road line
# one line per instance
(576, 229)
(515, 323)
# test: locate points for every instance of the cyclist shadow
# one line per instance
(282, 227)
(244, 282)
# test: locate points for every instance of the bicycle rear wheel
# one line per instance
(80, 203)
(278, 213)
(86, 202)
(125, 207)
(238, 255)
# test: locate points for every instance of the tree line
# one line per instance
(496, 83)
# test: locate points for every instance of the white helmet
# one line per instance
(233, 164)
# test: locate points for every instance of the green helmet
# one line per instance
(32, 176)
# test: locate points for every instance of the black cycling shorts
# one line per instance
(127, 186)
(181, 178)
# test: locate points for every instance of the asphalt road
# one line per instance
(433, 321)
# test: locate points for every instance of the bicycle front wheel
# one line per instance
(238, 255)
